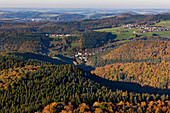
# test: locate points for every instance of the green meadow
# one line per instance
(52, 36)
(163, 24)
(165, 34)
(122, 33)
(56, 36)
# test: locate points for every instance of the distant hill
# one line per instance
(78, 26)
(68, 17)
(125, 15)
(101, 15)
(131, 12)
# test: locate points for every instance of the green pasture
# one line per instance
(165, 34)
(163, 24)
(56, 36)
(123, 33)
(52, 36)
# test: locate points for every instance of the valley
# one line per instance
(117, 64)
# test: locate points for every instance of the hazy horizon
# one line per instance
(116, 4)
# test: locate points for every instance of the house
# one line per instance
(76, 55)
(80, 53)
(85, 60)
(67, 35)
(80, 58)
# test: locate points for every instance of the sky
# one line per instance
(119, 4)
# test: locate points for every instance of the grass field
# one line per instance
(56, 36)
(163, 24)
(165, 34)
(52, 36)
(121, 33)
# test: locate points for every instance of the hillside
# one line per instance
(24, 42)
(7, 62)
(149, 50)
(43, 83)
(13, 76)
(78, 26)
(140, 50)
(146, 74)
(34, 57)
(43, 65)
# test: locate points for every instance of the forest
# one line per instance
(24, 42)
(79, 26)
(146, 74)
(41, 67)
(29, 88)
(96, 39)
(142, 50)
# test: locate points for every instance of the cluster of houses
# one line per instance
(145, 28)
(33, 19)
(82, 56)
(62, 35)
(129, 26)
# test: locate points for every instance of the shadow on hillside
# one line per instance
(128, 86)
(67, 60)
(86, 68)
(29, 55)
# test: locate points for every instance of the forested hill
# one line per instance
(34, 57)
(139, 50)
(13, 59)
(7, 62)
(78, 26)
(136, 79)
(149, 50)
(145, 74)
(28, 86)
(24, 42)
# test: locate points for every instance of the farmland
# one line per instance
(163, 24)
(120, 32)
(165, 34)
(126, 33)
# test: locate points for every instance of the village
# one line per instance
(145, 28)
(63, 35)
(83, 56)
